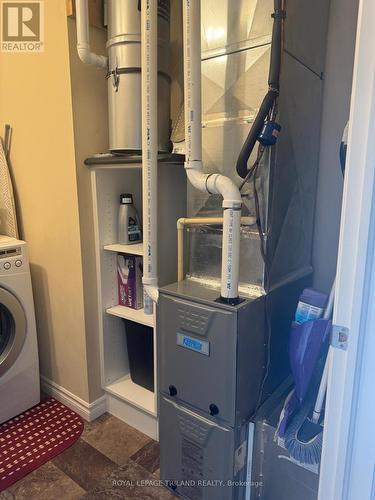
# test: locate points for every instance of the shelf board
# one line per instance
(136, 249)
(136, 315)
(127, 390)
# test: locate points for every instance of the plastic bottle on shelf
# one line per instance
(129, 227)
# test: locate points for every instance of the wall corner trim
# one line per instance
(88, 411)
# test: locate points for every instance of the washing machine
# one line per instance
(19, 363)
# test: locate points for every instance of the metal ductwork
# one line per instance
(124, 71)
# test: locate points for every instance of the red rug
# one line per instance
(34, 437)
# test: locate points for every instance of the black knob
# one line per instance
(172, 390)
(214, 410)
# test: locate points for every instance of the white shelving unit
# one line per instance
(132, 249)
(125, 399)
(127, 390)
(136, 315)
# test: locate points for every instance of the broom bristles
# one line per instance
(304, 452)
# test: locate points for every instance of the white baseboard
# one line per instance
(88, 411)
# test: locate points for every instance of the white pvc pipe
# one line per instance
(192, 80)
(83, 37)
(216, 183)
(324, 381)
(149, 151)
(321, 395)
(230, 264)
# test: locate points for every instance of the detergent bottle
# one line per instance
(129, 227)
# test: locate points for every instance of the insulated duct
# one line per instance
(210, 183)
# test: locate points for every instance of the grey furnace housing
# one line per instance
(208, 400)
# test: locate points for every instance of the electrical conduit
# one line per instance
(210, 183)
(149, 151)
(83, 37)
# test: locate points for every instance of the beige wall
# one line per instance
(35, 98)
(57, 107)
(90, 111)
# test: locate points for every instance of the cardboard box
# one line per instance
(129, 276)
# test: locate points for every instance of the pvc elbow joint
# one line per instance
(180, 223)
(219, 184)
(152, 291)
(89, 57)
(215, 184)
(196, 177)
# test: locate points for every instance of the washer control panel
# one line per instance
(11, 259)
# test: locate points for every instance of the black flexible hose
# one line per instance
(275, 60)
(256, 129)
(272, 94)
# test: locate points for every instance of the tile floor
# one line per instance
(110, 460)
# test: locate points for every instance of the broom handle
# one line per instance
(327, 315)
(323, 383)
(329, 308)
(321, 395)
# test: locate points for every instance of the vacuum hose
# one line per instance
(272, 94)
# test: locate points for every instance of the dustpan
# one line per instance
(305, 346)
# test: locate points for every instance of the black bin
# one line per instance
(140, 342)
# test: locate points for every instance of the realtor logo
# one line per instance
(22, 26)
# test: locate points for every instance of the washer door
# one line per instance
(12, 330)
